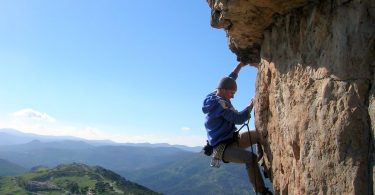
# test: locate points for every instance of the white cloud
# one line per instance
(33, 114)
(31, 121)
(185, 129)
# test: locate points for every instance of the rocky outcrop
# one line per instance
(40, 186)
(245, 21)
(315, 101)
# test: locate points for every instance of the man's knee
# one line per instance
(248, 138)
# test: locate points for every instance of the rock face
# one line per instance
(315, 101)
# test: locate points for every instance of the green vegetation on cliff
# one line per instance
(70, 179)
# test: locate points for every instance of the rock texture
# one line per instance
(315, 101)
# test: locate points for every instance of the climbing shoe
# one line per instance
(266, 192)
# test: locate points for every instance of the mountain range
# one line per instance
(117, 158)
(168, 170)
(13, 137)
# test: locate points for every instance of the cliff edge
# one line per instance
(315, 88)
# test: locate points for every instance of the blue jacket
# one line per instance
(221, 117)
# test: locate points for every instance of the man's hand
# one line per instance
(251, 105)
(238, 67)
(241, 64)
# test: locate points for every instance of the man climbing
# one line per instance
(221, 118)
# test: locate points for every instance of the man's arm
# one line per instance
(237, 70)
(236, 117)
(238, 67)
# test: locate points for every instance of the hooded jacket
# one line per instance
(221, 117)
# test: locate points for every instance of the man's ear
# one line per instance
(220, 91)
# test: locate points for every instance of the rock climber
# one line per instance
(227, 144)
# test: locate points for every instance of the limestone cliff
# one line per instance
(315, 101)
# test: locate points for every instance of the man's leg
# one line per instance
(238, 155)
(248, 138)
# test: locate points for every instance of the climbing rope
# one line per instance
(252, 151)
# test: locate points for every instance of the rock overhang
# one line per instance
(244, 22)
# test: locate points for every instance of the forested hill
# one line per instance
(71, 179)
(9, 168)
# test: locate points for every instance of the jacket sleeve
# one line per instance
(233, 115)
(233, 75)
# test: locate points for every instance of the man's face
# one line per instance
(228, 93)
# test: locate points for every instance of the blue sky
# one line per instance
(129, 71)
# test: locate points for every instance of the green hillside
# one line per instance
(70, 179)
(10, 169)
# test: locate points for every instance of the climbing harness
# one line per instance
(218, 151)
(217, 155)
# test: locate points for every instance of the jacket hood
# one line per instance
(210, 102)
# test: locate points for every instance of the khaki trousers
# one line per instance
(236, 152)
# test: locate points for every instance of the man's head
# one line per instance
(227, 88)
